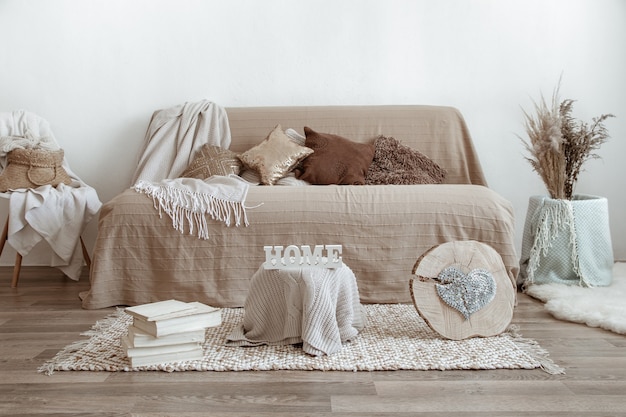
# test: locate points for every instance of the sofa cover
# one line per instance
(139, 258)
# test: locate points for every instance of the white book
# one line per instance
(139, 338)
(132, 351)
(204, 316)
(161, 310)
(163, 358)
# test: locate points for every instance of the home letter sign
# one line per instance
(277, 257)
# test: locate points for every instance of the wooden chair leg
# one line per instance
(16, 270)
(85, 253)
(5, 234)
(18, 258)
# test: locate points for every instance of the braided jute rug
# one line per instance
(396, 338)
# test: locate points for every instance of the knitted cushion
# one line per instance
(212, 160)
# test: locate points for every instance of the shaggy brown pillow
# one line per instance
(395, 163)
(212, 160)
(335, 160)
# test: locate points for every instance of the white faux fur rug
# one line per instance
(603, 307)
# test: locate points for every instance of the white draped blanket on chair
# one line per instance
(56, 215)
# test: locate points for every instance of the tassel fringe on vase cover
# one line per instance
(567, 242)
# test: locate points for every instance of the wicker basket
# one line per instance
(31, 168)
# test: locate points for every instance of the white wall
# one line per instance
(97, 69)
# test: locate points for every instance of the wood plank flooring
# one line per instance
(43, 315)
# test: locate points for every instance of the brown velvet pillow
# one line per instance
(335, 160)
(395, 163)
(212, 160)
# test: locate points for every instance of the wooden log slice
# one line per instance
(468, 257)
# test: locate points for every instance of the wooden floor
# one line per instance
(43, 315)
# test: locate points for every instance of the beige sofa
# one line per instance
(138, 257)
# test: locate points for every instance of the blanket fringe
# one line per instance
(532, 348)
(557, 216)
(191, 208)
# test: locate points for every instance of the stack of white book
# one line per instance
(168, 331)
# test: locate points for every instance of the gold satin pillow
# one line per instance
(275, 156)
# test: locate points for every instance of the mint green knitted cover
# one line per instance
(567, 242)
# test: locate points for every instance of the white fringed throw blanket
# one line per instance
(188, 201)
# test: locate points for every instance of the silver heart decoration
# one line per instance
(467, 293)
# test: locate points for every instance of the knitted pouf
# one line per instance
(317, 307)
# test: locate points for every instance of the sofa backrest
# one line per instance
(439, 132)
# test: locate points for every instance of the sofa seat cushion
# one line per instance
(382, 229)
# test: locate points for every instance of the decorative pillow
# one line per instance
(275, 156)
(295, 136)
(336, 160)
(395, 163)
(250, 176)
(212, 160)
(290, 179)
(253, 177)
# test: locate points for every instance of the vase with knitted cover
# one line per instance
(567, 242)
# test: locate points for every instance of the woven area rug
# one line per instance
(395, 338)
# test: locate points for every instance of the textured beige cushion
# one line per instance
(212, 160)
(395, 163)
(275, 156)
(336, 160)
